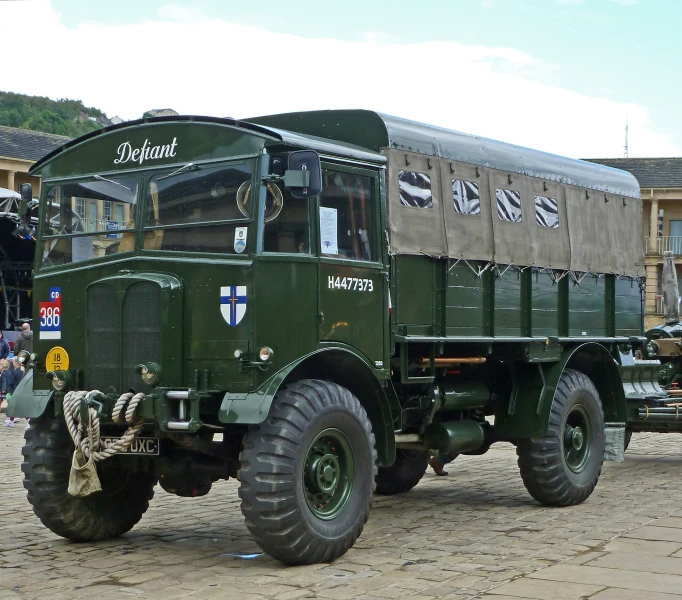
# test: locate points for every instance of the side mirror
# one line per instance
(25, 203)
(303, 176)
(26, 192)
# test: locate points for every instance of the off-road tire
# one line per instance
(403, 474)
(125, 495)
(276, 465)
(545, 463)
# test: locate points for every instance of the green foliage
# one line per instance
(61, 117)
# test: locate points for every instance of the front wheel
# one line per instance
(563, 467)
(124, 498)
(307, 473)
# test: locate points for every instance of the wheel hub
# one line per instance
(328, 473)
(577, 439)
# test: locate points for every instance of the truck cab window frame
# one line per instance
(347, 214)
(198, 210)
(74, 226)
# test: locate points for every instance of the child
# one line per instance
(9, 380)
(4, 367)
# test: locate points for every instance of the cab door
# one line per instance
(353, 297)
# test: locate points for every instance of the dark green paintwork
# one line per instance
(319, 331)
(587, 306)
(328, 474)
(467, 302)
(196, 142)
(27, 402)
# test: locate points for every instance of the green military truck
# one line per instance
(314, 303)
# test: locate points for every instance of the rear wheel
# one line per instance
(403, 474)
(124, 498)
(307, 473)
(563, 467)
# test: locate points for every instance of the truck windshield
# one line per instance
(88, 219)
(201, 209)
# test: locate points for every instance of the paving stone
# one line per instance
(639, 562)
(542, 590)
(454, 538)
(649, 532)
(675, 522)
(632, 580)
(636, 546)
(621, 594)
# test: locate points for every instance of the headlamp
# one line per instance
(149, 372)
(265, 354)
(61, 380)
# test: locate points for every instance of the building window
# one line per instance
(107, 210)
(508, 205)
(465, 197)
(80, 207)
(546, 212)
(415, 189)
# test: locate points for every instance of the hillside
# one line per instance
(61, 117)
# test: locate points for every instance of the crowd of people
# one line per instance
(11, 368)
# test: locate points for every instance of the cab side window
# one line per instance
(346, 224)
(287, 227)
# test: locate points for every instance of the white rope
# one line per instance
(87, 435)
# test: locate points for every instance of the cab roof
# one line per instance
(323, 145)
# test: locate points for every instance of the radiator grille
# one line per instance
(103, 366)
(121, 337)
(141, 332)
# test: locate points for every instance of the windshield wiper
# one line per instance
(112, 181)
(188, 166)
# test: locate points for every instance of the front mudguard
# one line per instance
(328, 363)
(26, 402)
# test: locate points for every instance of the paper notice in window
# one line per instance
(82, 249)
(328, 230)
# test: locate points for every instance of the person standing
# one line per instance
(4, 346)
(10, 380)
(24, 341)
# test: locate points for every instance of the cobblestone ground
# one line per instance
(460, 536)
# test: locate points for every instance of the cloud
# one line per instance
(199, 65)
(624, 2)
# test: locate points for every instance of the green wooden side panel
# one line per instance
(587, 307)
(508, 311)
(466, 302)
(415, 301)
(628, 307)
(545, 299)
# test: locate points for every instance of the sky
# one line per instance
(563, 76)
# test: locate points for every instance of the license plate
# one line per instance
(140, 446)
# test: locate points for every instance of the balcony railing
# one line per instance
(666, 243)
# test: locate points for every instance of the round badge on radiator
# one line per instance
(57, 359)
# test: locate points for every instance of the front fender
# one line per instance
(333, 364)
(26, 402)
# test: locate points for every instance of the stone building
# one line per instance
(660, 181)
(19, 149)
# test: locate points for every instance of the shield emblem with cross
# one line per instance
(233, 303)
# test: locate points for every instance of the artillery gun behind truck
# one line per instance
(312, 303)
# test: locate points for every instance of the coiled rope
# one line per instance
(87, 435)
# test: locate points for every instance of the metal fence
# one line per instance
(666, 243)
